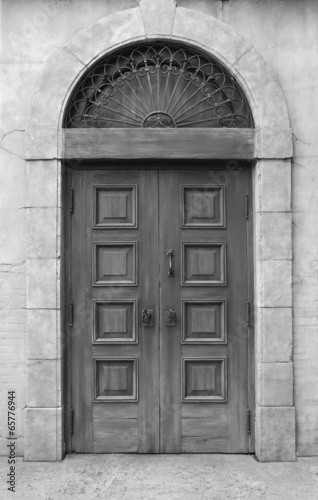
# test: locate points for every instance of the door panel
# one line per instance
(114, 276)
(205, 226)
(159, 348)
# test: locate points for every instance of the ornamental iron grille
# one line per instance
(158, 86)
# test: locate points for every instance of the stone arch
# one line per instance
(273, 150)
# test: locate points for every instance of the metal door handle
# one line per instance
(170, 317)
(147, 317)
(169, 253)
(172, 314)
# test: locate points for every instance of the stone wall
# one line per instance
(284, 32)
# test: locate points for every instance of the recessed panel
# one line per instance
(204, 321)
(115, 264)
(116, 379)
(114, 321)
(204, 379)
(203, 264)
(115, 206)
(203, 206)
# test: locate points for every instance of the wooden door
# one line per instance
(114, 276)
(159, 346)
(204, 358)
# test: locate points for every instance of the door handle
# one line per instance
(170, 317)
(147, 317)
(169, 253)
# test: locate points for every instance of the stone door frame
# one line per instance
(272, 146)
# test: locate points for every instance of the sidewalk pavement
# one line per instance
(164, 477)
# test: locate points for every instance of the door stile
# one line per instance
(251, 327)
(149, 298)
(170, 347)
(67, 364)
(82, 378)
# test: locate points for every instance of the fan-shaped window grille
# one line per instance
(158, 85)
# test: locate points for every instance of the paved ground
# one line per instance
(171, 477)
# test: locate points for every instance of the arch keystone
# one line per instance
(158, 16)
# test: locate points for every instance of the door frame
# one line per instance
(229, 171)
(46, 148)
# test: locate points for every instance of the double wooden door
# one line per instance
(158, 353)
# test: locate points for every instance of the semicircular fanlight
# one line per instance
(158, 85)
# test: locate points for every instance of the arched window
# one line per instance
(158, 85)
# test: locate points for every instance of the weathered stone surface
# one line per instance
(219, 38)
(41, 235)
(305, 176)
(107, 33)
(41, 284)
(33, 31)
(276, 143)
(43, 334)
(12, 236)
(275, 287)
(200, 476)
(42, 143)
(40, 174)
(43, 434)
(275, 235)
(18, 80)
(274, 342)
(274, 385)
(158, 16)
(44, 383)
(265, 88)
(273, 186)
(12, 187)
(52, 90)
(275, 434)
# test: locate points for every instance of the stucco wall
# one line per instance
(285, 34)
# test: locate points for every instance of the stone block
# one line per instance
(274, 384)
(275, 434)
(12, 236)
(213, 35)
(44, 383)
(275, 115)
(43, 434)
(42, 183)
(41, 284)
(274, 283)
(158, 16)
(106, 34)
(52, 91)
(305, 176)
(254, 69)
(274, 235)
(13, 175)
(264, 88)
(274, 343)
(276, 143)
(273, 186)
(41, 233)
(43, 334)
(42, 143)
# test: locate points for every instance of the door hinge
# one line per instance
(246, 206)
(72, 421)
(71, 200)
(248, 424)
(248, 314)
(71, 315)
